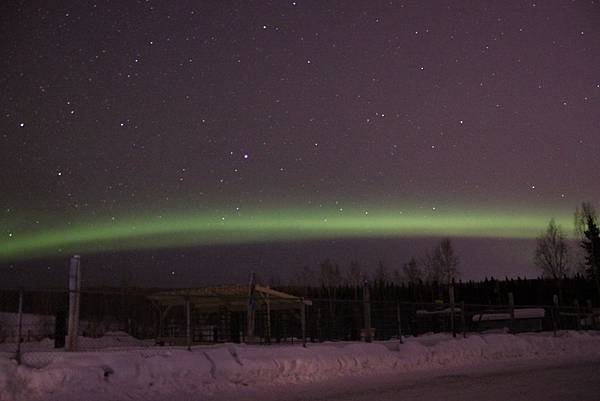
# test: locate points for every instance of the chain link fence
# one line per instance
(37, 320)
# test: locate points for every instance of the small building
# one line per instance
(233, 313)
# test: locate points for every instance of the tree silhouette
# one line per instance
(412, 272)
(591, 245)
(551, 254)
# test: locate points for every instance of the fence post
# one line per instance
(188, 323)
(555, 312)
(268, 323)
(414, 321)
(399, 318)
(591, 314)
(451, 291)
(250, 316)
(319, 329)
(511, 311)
(303, 321)
(367, 311)
(578, 314)
(74, 294)
(462, 319)
(20, 328)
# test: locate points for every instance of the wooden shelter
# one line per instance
(224, 313)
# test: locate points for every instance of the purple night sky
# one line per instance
(115, 110)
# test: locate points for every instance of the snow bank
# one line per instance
(32, 326)
(110, 340)
(152, 372)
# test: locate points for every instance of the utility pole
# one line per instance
(74, 299)
(20, 330)
(367, 312)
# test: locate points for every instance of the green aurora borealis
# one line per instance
(152, 231)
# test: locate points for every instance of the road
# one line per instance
(574, 380)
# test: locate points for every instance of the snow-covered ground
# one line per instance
(207, 371)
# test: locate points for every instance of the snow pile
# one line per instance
(113, 339)
(32, 326)
(155, 372)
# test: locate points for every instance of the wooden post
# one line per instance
(268, 305)
(161, 323)
(578, 315)
(319, 329)
(367, 311)
(462, 319)
(555, 323)
(20, 329)
(74, 293)
(591, 319)
(511, 311)
(188, 323)
(399, 319)
(251, 312)
(303, 321)
(451, 291)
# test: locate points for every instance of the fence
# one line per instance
(36, 320)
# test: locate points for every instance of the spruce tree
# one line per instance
(591, 244)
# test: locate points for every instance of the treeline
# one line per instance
(440, 264)
(490, 291)
(569, 269)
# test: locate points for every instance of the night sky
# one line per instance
(202, 140)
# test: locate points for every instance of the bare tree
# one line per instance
(355, 276)
(442, 265)
(303, 277)
(431, 272)
(397, 278)
(552, 254)
(381, 275)
(412, 271)
(330, 276)
(330, 279)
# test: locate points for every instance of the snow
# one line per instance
(110, 340)
(32, 326)
(150, 372)
(524, 313)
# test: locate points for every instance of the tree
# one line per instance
(355, 277)
(431, 271)
(397, 277)
(330, 274)
(381, 275)
(441, 266)
(330, 280)
(445, 262)
(591, 245)
(582, 216)
(412, 271)
(552, 254)
(303, 277)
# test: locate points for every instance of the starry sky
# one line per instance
(137, 133)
